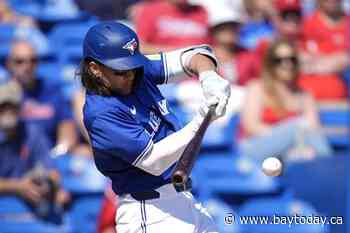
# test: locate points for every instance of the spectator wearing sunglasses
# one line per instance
(277, 118)
(325, 52)
(43, 103)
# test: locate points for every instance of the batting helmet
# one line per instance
(114, 45)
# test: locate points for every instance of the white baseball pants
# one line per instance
(173, 212)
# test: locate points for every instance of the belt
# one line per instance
(153, 194)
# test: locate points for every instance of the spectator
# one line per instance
(106, 9)
(325, 49)
(176, 24)
(287, 20)
(44, 105)
(25, 166)
(25, 28)
(10, 17)
(258, 24)
(225, 19)
(277, 119)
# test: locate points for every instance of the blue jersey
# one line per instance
(46, 107)
(24, 153)
(122, 130)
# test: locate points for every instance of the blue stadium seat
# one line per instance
(222, 215)
(81, 178)
(276, 208)
(4, 75)
(221, 137)
(49, 11)
(30, 8)
(6, 36)
(13, 205)
(230, 174)
(84, 213)
(62, 75)
(67, 40)
(16, 215)
(337, 126)
(32, 226)
(10, 32)
(79, 175)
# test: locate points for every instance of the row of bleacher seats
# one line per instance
(226, 184)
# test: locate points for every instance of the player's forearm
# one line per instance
(200, 63)
(167, 151)
(9, 186)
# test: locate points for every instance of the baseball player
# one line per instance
(135, 137)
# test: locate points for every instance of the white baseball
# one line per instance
(272, 166)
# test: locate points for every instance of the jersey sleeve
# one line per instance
(119, 135)
(157, 68)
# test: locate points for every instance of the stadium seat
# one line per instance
(4, 75)
(84, 213)
(12, 205)
(221, 137)
(79, 175)
(67, 39)
(16, 215)
(222, 214)
(32, 226)
(324, 183)
(48, 11)
(275, 208)
(230, 174)
(31, 7)
(336, 124)
(6, 36)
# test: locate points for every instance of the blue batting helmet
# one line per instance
(114, 45)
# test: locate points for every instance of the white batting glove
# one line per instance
(201, 114)
(216, 90)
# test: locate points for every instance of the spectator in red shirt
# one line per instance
(169, 24)
(325, 54)
(277, 118)
(225, 18)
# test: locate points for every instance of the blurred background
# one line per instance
(289, 65)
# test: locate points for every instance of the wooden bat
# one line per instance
(185, 163)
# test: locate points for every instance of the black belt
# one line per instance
(153, 194)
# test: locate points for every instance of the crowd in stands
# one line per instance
(288, 59)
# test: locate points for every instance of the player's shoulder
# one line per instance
(97, 105)
(155, 64)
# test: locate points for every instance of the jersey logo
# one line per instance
(163, 107)
(131, 46)
(154, 123)
(133, 110)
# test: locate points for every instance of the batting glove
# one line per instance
(216, 90)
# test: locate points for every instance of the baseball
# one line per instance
(272, 166)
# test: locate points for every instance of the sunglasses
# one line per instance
(21, 61)
(291, 15)
(280, 60)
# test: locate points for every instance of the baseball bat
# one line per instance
(185, 163)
